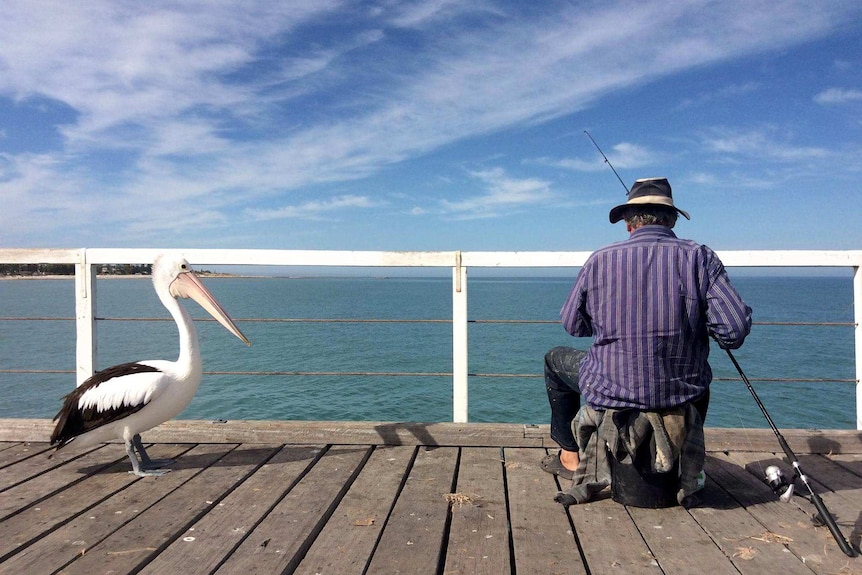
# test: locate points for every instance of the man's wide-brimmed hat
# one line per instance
(649, 191)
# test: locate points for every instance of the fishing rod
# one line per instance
(775, 479)
(607, 161)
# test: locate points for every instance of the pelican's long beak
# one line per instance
(187, 284)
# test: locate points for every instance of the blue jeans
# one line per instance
(561, 382)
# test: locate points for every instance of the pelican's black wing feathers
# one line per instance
(73, 421)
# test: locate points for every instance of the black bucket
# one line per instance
(636, 484)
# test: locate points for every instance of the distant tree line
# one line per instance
(69, 269)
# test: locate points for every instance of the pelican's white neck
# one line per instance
(190, 356)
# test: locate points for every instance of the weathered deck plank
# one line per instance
(841, 441)
(222, 530)
(35, 479)
(281, 538)
(117, 497)
(840, 491)
(542, 535)
(51, 516)
(601, 526)
(413, 538)
(479, 535)
(787, 524)
(674, 538)
(26, 461)
(348, 540)
(739, 535)
(357, 508)
(193, 485)
(16, 451)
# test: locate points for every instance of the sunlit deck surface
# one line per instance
(342, 498)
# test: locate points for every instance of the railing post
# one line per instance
(85, 318)
(857, 332)
(459, 342)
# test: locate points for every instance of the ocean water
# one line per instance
(771, 352)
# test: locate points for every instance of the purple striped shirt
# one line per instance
(651, 302)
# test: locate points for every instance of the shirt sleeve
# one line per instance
(574, 314)
(728, 319)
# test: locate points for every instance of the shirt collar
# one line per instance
(653, 231)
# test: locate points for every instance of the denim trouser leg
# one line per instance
(561, 382)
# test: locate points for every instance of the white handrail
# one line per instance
(85, 320)
(857, 319)
(460, 362)
(86, 260)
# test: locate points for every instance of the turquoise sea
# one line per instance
(782, 352)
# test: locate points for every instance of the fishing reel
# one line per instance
(779, 484)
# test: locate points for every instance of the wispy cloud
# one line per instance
(420, 13)
(624, 155)
(225, 107)
(126, 47)
(503, 195)
(760, 145)
(770, 158)
(118, 64)
(727, 92)
(312, 210)
(838, 96)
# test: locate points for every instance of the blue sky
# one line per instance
(427, 125)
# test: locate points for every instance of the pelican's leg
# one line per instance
(147, 467)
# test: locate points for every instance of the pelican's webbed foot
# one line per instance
(146, 467)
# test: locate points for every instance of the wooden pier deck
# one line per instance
(342, 498)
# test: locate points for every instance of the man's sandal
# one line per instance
(552, 464)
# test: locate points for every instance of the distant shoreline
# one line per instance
(818, 274)
(115, 277)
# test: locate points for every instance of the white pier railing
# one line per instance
(87, 261)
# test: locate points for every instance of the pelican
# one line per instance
(123, 401)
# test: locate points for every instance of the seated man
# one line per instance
(650, 303)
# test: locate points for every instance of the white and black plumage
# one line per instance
(123, 401)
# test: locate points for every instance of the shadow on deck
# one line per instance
(344, 497)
